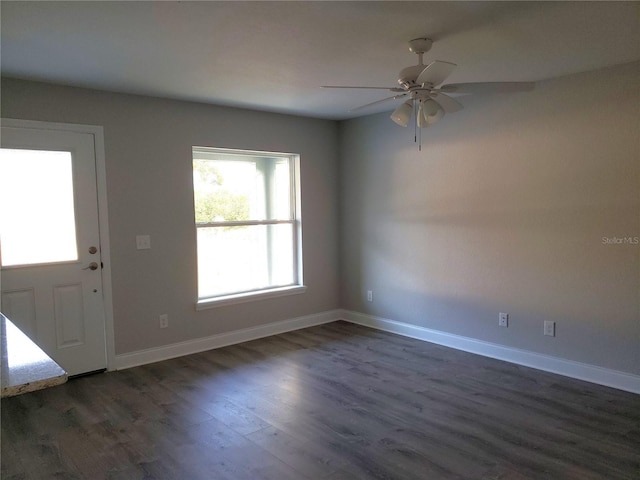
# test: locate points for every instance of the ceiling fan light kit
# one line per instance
(402, 114)
(421, 86)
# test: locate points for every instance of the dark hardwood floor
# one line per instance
(334, 402)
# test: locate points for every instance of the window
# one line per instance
(247, 214)
(37, 213)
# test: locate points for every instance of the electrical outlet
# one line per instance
(369, 295)
(550, 328)
(164, 320)
(143, 242)
(503, 319)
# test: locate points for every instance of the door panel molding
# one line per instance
(68, 303)
(103, 217)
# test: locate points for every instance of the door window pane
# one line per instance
(37, 217)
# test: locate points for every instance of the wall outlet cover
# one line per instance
(143, 242)
(550, 328)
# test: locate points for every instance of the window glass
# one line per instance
(248, 229)
(37, 216)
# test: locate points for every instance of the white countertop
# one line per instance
(25, 366)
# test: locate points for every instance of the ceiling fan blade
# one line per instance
(390, 89)
(435, 73)
(488, 87)
(395, 97)
(447, 103)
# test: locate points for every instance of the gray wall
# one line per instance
(504, 210)
(149, 186)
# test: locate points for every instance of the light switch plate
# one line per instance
(143, 242)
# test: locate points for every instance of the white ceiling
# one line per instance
(274, 55)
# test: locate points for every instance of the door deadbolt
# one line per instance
(93, 250)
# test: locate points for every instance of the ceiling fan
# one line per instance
(421, 85)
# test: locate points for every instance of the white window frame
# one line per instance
(295, 219)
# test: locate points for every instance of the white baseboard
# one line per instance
(569, 368)
(165, 352)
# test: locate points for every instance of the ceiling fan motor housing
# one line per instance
(407, 77)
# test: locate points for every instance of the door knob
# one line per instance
(92, 266)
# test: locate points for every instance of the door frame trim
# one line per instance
(103, 215)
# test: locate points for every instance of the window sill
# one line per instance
(207, 303)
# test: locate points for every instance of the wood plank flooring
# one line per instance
(335, 402)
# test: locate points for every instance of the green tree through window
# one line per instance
(212, 201)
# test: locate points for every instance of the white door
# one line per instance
(49, 244)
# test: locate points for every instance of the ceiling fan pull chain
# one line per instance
(415, 122)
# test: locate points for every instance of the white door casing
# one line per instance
(66, 307)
